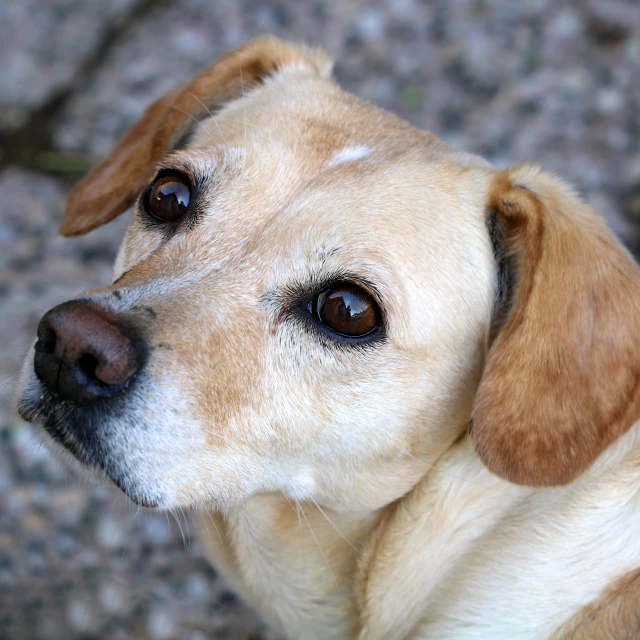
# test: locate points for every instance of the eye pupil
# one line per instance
(169, 198)
(348, 310)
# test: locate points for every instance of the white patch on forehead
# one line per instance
(300, 486)
(348, 154)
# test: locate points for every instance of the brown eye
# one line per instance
(348, 310)
(169, 198)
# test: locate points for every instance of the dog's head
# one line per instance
(315, 298)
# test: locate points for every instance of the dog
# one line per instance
(397, 387)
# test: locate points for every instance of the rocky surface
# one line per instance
(538, 80)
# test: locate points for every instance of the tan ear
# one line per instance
(113, 185)
(562, 377)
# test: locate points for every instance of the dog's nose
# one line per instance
(84, 353)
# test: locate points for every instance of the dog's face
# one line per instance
(302, 303)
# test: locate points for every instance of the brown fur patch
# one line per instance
(561, 379)
(224, 371)
(615, 615)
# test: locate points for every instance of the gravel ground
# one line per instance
(538, 80)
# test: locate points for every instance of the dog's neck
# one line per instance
(314, 573)
(295, 563)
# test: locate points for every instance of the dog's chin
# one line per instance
(71, 433)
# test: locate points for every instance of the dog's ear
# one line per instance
(562, 376)
(113, 185)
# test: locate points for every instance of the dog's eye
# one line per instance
(169, 198)
(348, 310)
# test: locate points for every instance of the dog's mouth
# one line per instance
(84, 432)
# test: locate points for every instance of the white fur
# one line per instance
(349, 154)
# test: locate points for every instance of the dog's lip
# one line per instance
(134, 497)
(43, 413)
(27, 414)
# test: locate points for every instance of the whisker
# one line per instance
(302, 551)
(213, 522)
(218, 435)
(304, 515)
(244, 108)
(133, 515)
(212, 117)
(186, 526)
(334, 526)
(184, 541)
(173, 106)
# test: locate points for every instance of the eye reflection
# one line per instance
(348, 310)
(169, 198)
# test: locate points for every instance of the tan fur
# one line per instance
(112, 187)
(616, 614)
(337, 489)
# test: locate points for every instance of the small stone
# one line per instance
(566, 25)
(70, 499)
(7, 542)
(88, 559)
(34, 523)
(370, 24)
(80, 615)
(28, 445)
(404, 9)
(112, 598)
(110, 532)
(609, 101)
(156, 530)
(67, 545)
(160, 625)
(197, 588)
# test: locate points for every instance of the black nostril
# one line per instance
(88, 365)
(46, 339)
(84, 353)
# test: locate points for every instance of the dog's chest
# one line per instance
(288, 562)
(485, 547)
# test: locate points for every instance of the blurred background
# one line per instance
(550, 81)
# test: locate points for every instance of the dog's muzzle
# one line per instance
(85, 353)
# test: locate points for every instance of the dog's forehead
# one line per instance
(308, 116)
(300, 174)
(303, 123)
(298, 132)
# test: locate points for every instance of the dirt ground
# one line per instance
(549, 81)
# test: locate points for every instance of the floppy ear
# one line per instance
(561, 381)
(113, 185)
